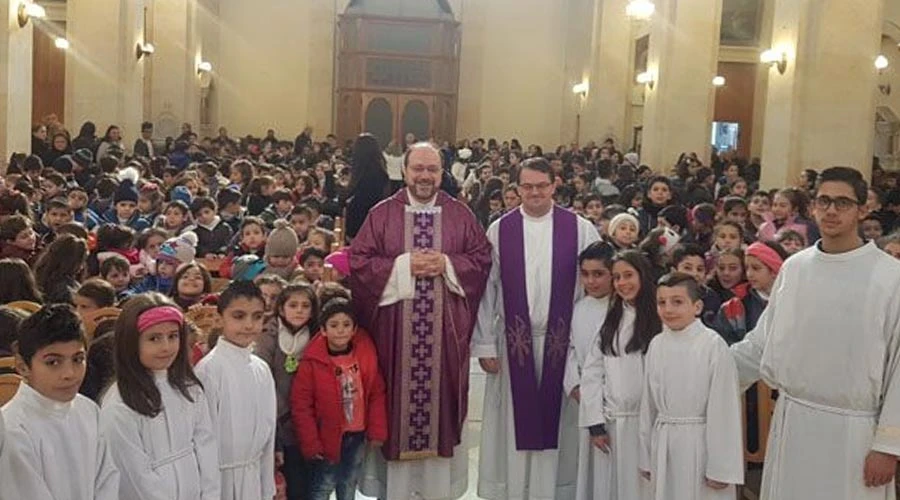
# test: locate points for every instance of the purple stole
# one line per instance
(422, 342)
(537, 403)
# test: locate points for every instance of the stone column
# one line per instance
(15, 82)
(609, 97)
(174, 82)
(821, 111)
(104, 78)
(683, 57)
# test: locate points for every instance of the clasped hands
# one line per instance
(427, 263)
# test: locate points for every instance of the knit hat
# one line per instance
(127, 191)
(83, 157)
(182, 193)
(621, 219)
(247, 267)
(282, 241)
(340, 260)
(179, 250)
(63, 164)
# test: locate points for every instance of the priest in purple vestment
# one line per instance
(419, 265)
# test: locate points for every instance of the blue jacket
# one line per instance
(136, 222)
(152, 283)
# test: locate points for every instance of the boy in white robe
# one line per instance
(240, 391)
(53, 447)
(587, 316)
(690, 417)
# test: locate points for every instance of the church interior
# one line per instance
(798, 84)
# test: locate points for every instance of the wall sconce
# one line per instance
(775, 58)
(646, 78)
(61, 43)
(718, 81)
(28, 10)
(881, 63)
(144, 50)
(204, 67)
(581, 88)
(640, 9)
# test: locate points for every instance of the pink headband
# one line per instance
(157, 315)
(766, 255)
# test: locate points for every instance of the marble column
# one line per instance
(682, 60)
(104, 78)
(609, 96)
(820, 112)
(15, 82)
(175, 86)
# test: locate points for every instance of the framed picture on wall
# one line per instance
(741, 20)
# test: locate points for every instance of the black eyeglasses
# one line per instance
(841, 203)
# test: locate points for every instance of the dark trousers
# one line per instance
(340, 477)
(297, 473)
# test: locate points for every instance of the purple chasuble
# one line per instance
(420, 384)
(537, 403)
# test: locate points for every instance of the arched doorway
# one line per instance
(398, 70)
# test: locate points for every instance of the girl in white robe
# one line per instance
(690, 417)
(240, 391)
(53, 447)
(611, 383)
(155, 415)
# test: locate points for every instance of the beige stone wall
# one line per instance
(15, 82)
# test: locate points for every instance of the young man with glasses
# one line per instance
(829, 341)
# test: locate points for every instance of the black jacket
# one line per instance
(213, 239)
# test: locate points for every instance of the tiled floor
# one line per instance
(473, 430)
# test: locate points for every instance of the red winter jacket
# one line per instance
(316, 406)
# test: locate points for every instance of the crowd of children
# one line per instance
(288, 386)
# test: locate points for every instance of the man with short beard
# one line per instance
(419, 264)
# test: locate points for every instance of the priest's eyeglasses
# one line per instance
(535, 187)
(841, 203)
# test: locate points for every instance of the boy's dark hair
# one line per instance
(605, 169)
(237, 290)
(731, 202)
(51, 324)
(106, 186)
(598, 250)
(10, 321)
(302, 209)
(114, 236)
(281, 195)
(56, 179)
(675, 215)
(311, 252)
(332, 290)
(683, 280)
(76, 229)
(202, 202)
(58, 204)
(146, 126)
(685, 250)
(253, 221)
(227, 197)
(114, 263)
(790, 234)
(849, 176)
(180, 205)
(334, 307)
(11, 227)
(591, 197)
(761, 192)
(100, 291)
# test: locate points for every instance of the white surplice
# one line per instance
(690, 418)
(829, 341)
(611, 388)
(505, 473)
(433, 478)
(55, 450)
(172, 456)
(240, 391)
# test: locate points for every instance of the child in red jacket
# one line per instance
(337, 402)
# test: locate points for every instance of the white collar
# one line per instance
(36, 400)
(417, 204)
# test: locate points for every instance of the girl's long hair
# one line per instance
(646, 321)
(134, 380)
(63, 260)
